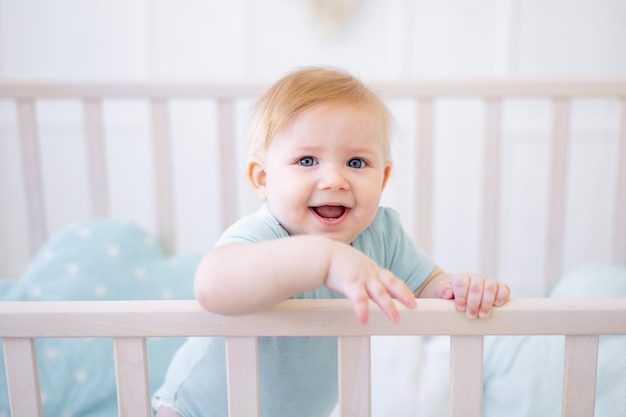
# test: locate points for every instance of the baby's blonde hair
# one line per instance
(303, 89)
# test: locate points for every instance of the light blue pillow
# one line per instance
(97, 260)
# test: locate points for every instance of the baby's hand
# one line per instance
(360, 279)
(473, 293)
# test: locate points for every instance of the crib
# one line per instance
(130, 322)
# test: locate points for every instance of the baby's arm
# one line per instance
(242, 278)
(472, 293)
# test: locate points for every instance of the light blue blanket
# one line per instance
(96, 260)
(523, 375)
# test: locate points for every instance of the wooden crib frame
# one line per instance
(130, 322)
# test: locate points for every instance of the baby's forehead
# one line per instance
(281, 120)
(337, 111)
(377, 118)
(339, 104)
(346, 129)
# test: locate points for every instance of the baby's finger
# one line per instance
(379, 294)
(444, 290)
(502, 296)
(360, 302)
(474, 296)
(460, 288)
(489, 295)
(398, 289)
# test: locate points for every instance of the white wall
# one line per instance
(263, 39)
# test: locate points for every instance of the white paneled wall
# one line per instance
(265, 38)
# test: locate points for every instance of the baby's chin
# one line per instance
(347, 238)
(336, 236)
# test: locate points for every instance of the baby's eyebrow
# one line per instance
(308, 148)
(351, 152)
(365, 151)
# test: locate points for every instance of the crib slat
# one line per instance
(354, 376)
(491, 187)
(131, 374)
(619, 229)
(466, 375)
(227, 152)
(579, 379)
(96, 158)
(242, 367)
(557, 192)
(424, 175)
(163, 174)
(22, 379)
(31, 171)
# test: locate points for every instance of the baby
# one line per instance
(319, 159)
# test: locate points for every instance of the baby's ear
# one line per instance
(387, 173)
(257, 177)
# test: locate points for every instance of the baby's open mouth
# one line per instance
(329, 212)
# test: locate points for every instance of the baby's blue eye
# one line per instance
(356, 163)
(307, 161)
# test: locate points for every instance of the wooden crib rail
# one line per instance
(423, 92)
(444, 87)
(130, 322)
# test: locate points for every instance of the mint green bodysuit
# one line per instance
(298, 375)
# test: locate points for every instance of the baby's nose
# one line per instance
(333, 178)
